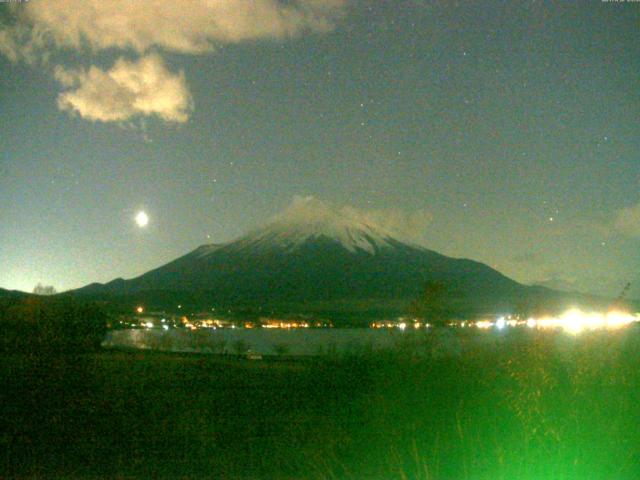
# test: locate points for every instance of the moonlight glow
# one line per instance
(365, 104)
(142, 219)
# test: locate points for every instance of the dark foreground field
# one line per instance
(532, 407)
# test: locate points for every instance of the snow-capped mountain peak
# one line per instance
(310, 258)
(308, 218)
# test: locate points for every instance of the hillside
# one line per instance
(315, 259)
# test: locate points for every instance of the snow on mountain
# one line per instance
(314, 255)
(310, 219)
(336, 262)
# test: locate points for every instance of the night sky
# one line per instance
(507, 132)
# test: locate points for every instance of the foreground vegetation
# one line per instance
(40, 325)
(528, 406)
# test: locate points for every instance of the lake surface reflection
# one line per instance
(296, 342)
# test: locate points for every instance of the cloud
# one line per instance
(186, 26)
(128, 89)
(20, 43)
(408, 225)
(628, 221)
(37, 29)
(557, 280)
(9, 45)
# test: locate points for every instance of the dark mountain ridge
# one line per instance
(315, 260)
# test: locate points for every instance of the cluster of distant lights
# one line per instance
(573, 321)
(402, 325)
(208, 323)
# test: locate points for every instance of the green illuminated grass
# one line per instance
(525, 406)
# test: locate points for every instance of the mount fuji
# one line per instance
(314, 258)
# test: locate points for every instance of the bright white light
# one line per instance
(149, 324)
(402, 326)
(619, 319)
(142, 219)
(573, 321)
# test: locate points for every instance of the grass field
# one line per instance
(532, 406)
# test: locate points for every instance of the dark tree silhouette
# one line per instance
(433, 305)
(240, 347)
(281, 349)
(40, 289)
(51, 324)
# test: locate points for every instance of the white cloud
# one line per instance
(183, 26)
(21, 43)
(628, 220)
(408, 225)
(187, 26)
(129, 89)
(556, 280)
(9, 45)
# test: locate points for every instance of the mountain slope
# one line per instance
(312, 254)
(12, 294)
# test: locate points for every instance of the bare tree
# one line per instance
(240, 347)
(433, 304)
(281, 349)
(40, 289)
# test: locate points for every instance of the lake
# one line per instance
(297, 342)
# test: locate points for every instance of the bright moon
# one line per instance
(142, 219)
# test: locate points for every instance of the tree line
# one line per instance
(47, 324)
